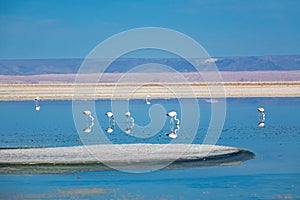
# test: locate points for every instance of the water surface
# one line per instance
(273, 174)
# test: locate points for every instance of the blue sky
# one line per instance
(72, 28)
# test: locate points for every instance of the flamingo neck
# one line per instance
(177, 120)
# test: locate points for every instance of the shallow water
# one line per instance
(273, 173)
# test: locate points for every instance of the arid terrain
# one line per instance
(157, 85)
(225, 76)
(155, 90)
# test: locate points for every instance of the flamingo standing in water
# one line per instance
(128, 117)
(37, 98)
(173, 133)
(37, 107)
(148, 99)
(261, 116)
(127, 114)
(129, 126)
(88, 113)
(110, 127)
(261, 110)
(173, 114)
(109, 115)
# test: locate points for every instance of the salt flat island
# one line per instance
(128, 157)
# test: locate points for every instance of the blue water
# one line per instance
(274, 173)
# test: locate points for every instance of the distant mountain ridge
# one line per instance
(121, 65)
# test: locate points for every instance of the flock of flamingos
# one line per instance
(174, 121)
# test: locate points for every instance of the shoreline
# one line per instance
(89, 91)
(225, 76)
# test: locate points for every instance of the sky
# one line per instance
(72, 28)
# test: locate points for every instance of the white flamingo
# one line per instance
(261, 110)
(88, 113)
(173, 133)
(128, 116)
(148, 99)
(37, 98)
(109, 115)
(173, 114)
(89, 128)
(110, 127)
(261, 116)
(129, 126)
(37, 107)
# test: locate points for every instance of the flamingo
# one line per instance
(148, 99)
(37, 107)
(261, 110)
(129, 126)
(261, 117)
(109, 115)
(173, 133)
(127, 114)
(173, 114)
(89, 128)
(37, 98)
(110, 127)
(87, 112)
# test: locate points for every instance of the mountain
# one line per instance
(121, 65)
